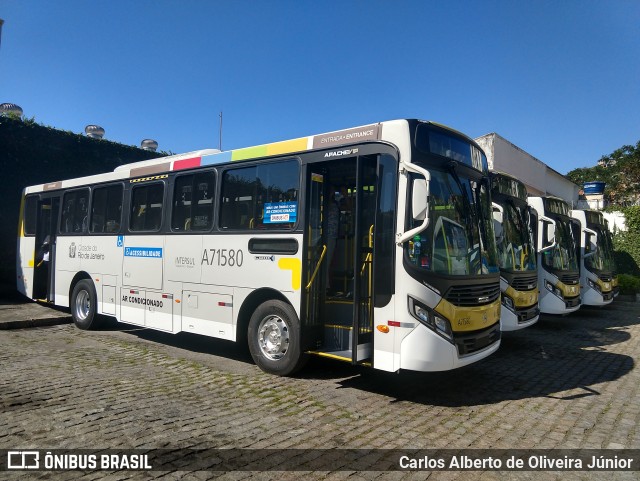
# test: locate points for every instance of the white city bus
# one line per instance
(558, 268)
(609, 253)
(596, 260)
(242, 245)
(514, 223)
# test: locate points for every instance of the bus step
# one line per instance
(338, 309)
(344, 355)
(337, 337)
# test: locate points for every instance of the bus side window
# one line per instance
(106, 209)
(146, 207)
(182, 200)
(193, 202)
(30, 215)
(75, 211)
(248, 192)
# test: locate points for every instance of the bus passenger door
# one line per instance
(316, 249)
(338, 273)
(365, 213)
(45, 252)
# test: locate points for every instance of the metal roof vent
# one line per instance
(94, 131)
(10, 109)
(149, 144)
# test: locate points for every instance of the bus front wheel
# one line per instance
(84, 304)
(274, 338)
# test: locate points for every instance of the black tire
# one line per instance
(84, 304)
(274, 338)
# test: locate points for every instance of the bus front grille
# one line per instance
(473, 295)
(605, 277)
(570, 279)
(525, 283)
(470, 343)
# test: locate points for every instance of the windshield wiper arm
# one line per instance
(465, 199)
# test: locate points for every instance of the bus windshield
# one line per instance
(602, 258)
(563, 255)
(608, 249)
(514, 240)
(459, 239)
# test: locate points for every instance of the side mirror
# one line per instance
(547, 236)
(590, 242)
(498, 212)
(587, 243)
(551, 233)
(420, 199)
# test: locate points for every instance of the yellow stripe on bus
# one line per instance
(295, 266)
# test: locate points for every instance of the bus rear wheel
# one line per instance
(84, 305)
(274, 338)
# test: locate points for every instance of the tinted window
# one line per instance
(75, 210)
(385, 230)
(446, 144)
(29, 215)
(193, 202)
(106, 209)
(146, 207)
(260, 197)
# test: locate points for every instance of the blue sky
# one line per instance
(560, 79)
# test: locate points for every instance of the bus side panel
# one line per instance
(98, 256)
(207, 313)
(385, 357)
(142, 261)
(67, 265)
(25, 263)
(217, 273)
(183, 257)
(226, 261)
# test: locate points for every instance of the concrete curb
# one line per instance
(27, 323)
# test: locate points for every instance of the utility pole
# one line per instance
(220, 134)
(1, 23)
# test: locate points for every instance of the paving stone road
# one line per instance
(565, 383)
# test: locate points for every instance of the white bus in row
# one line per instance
(515, 223)
(557, 247)
(597, 269)
(373, 245)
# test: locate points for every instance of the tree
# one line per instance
(621, 172)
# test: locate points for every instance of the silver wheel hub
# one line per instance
(82, 305)
(273, 337)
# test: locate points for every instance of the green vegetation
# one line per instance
(627, 244)
(629, 284)
(621, 172)
(31, 154)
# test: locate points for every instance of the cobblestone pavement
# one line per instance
(564, 383)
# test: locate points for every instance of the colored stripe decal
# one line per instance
(53, 185)
(216, 158)
(249, 153)
(277, 148)
(186, 163)
(151, 169)
(295, 145)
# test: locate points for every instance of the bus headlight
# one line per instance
(443, 327)
(553, 289)
(421, 314)
(431, 319)
(507, 302)
(594, 285)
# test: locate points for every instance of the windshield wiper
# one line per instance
(465, 197)
(523, 231)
